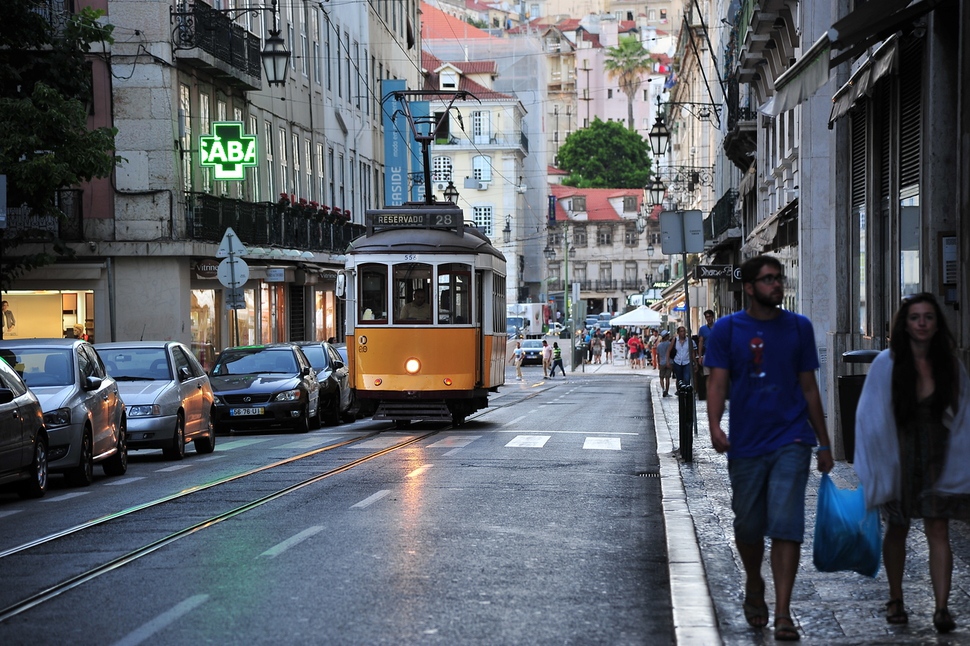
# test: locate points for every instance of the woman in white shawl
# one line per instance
(913, 445)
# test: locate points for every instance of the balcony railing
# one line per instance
(200, 26)
(722, 216)
(265, 224)
(23, 225)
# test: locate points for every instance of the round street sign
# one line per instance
(233, 272)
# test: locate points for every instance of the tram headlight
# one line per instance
(412, 366)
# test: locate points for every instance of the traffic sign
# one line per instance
(681, 232)
(235, 299)
(230, 245)
(233, 272)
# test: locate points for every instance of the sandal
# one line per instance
(943, 621)
(755, 608)
(785, 630)
(896, 612)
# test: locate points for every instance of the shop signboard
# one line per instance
(228, 151)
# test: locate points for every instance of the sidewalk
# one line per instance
(707, 579)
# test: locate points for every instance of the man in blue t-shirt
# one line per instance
(769, 357)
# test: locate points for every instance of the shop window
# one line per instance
(373, 294)
(411, 293)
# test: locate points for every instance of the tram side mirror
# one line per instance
(341, 285)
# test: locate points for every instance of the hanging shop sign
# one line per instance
(702, 272)
(206, 269)
(228, 150)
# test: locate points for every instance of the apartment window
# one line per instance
(340, 68)
(296, 166)
(221, 110)
(205, 127)
(254, 192)
(185, 107)
(481, 127)
(630, 276)
(342, 179)
(482, 216)
(441, 169)
(330, 165)
(317, 74)
(580, 237)
(482, 168)
(663, 14)
(604, 236)
(442, 133)
(630, 235)
(629, 204)
(349, 63)
(321, 180)
(579, 204)
(449, 80)
(609, 94)
(268, 147)
(305, 54)
(578, 273)
(308, 170)
(606, 272)
(284, 171)
(328, 68)
(357, 75)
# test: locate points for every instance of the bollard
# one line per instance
(685, 404)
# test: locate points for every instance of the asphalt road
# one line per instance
(534, 523)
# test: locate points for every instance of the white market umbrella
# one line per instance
(642, 316)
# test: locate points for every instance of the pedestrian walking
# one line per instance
(652, 342)
(913, 445)
(702, 370)
(556, 360)
(516, 359)
(769, 356)
(546, 358)
(597, 345)
(680, 356)
(664, 364)
(636, 348)
(608, 346)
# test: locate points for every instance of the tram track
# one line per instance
(133, 554)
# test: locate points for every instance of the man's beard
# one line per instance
(771, 300)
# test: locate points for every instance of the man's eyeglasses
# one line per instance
(771, 279)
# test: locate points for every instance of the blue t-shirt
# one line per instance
(768, 409)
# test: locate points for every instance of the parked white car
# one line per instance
(167, 393)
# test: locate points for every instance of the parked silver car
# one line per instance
(83, 410)
(23, 438)
(167, 393)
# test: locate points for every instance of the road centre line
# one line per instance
(10, 512)
(521, 431)
(124, 481)
(236, 444)
(147, 630)
(279, 548)
(370, 500)
(421, 469)
(515, 421)
(177, 467)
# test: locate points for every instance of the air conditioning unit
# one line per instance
(483, 186)
(440, 186)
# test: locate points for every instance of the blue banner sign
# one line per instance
(396, 136)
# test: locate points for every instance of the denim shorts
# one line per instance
(769, 494)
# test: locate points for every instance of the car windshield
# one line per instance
(342, 351)
(532, 345)
(43, 366)
(251, 361)
(136, 364)
(317, 357)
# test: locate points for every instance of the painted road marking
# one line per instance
(454, 441)
(382, 442)
(606, 443)
(177, 467)
(66, 496)
(370, 500)
(421, 469)
(309, 443)
(279, 548)
(529, 441)
(147, 630)
(124, 481)
(238, 444)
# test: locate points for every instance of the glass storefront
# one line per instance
(37, 314)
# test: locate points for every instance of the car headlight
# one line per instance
(153, 410)
(217, 400)
(288, 396)
(58, 417)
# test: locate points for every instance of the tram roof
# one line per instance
(426, 241)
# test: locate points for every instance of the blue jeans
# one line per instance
(682, 373)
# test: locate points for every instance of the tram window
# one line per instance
(411, 294)
(373, 294)
(454, 294)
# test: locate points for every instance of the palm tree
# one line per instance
(628, 62)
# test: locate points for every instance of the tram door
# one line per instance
(480, 327)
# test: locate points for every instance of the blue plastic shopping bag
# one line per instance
(847, 536)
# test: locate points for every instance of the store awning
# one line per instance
(882, 61)
(870, 23)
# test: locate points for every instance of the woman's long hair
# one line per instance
(940, 354)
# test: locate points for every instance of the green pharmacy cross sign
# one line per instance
(227, 150)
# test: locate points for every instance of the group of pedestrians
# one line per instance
(912, 438)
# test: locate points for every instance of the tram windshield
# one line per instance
(454, 294)
(411, 299)
(373, 293)
(419, 294)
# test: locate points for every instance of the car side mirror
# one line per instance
(337, 365)
(6, 395)
(306, 370)
(92, 383)
(341, 287)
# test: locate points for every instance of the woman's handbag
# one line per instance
(847, 536)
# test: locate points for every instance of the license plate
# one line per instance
(238, 412)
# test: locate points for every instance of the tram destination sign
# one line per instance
(430, 218)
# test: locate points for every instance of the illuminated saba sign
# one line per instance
(228, 151)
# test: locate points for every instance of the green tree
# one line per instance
(605, 155)
(628, 62)
(45, 90)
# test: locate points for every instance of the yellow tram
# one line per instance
(426, 336)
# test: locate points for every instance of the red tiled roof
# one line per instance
(476, 67)
(437, 25)
(598, 207)
(430, 62)
(552, 170)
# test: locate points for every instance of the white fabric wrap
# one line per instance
(877, 446)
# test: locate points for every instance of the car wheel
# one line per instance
(333, 414)
(83, 474)
(37, 484)
(207, 443)
(177, 450)
(117, 464)
(302, 423)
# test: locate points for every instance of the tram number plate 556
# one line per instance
(238, 412)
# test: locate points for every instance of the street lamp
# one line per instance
(655, 190)
(659, 134)
(275, 57)
(451, 193)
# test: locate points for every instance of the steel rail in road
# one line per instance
(75, 581)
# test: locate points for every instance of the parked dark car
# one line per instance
(341, 349)
(333, 374)
(532, 351)
(166, 392)
(83, 410)
(23, 438)
(263, 387)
